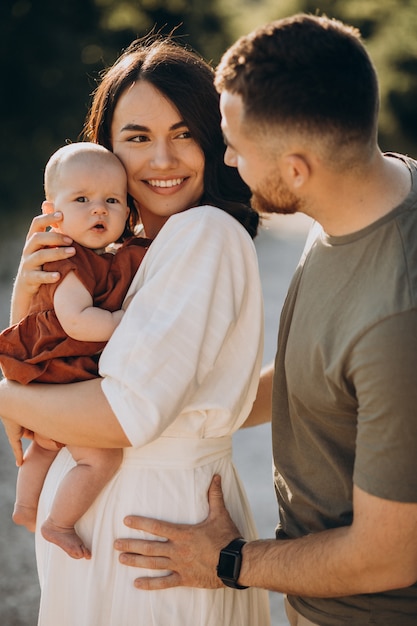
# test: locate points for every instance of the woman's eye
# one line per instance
(185, 135)
(139, 139)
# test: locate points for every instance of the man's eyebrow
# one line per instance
(145, 129)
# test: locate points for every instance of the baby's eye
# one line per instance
(81, 199)
(112, 200)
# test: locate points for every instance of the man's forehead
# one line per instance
(231, 102)
(231, 109)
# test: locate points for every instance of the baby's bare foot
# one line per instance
(65, 538)
(25, 516)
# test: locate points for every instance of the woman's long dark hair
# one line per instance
(187, 81)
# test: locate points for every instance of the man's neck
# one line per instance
(348, 202)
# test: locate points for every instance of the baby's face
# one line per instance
(92, 197)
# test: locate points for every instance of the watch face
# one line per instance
(227, 565)
(230, 559)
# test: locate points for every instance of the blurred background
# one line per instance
(52, 53)
(51, 56)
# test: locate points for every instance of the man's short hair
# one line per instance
(307, 73)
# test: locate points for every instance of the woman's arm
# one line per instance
(75, 414)
(41, 246)
(262, 407)
(77, 315)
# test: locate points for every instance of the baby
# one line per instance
(68, 324)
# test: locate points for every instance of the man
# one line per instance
(299, 102)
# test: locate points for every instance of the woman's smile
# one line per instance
(163, 184)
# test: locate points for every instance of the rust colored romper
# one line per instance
(37, 348)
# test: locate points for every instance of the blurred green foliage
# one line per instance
(52, 52)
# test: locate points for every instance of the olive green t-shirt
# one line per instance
(345, 393)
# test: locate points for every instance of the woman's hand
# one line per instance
(15, 434)
(41, 247)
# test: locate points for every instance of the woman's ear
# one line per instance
(297, 171)
(49, 208)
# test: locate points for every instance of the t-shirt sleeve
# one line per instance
(384, 371)
(194, 282)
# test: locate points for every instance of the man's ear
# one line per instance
(296, 171)
(48, 207)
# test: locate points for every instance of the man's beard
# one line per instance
(280, 199)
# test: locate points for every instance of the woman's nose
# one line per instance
(163, 156)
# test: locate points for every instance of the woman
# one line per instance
(180, 373)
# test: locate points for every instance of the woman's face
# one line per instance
(164, 164)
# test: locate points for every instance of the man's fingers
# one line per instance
(171, 530)
(153, 526)
(218, 510)
(215, 496)
(159, 582)
(142, 546)
(144, 562)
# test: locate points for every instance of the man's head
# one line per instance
(302, 80)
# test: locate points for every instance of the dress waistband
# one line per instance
(179, 452)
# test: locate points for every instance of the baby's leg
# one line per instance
(30, 479)
(80, 487)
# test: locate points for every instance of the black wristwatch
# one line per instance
(230, 561)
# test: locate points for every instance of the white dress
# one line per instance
(180, 373)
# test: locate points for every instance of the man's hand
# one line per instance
(190, 552)
(15, 434)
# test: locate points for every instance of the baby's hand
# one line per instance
(15, 434)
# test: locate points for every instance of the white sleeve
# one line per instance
(198, 298)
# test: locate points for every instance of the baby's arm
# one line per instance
(78, 317)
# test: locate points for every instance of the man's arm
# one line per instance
(262, 407)
(376, 553)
